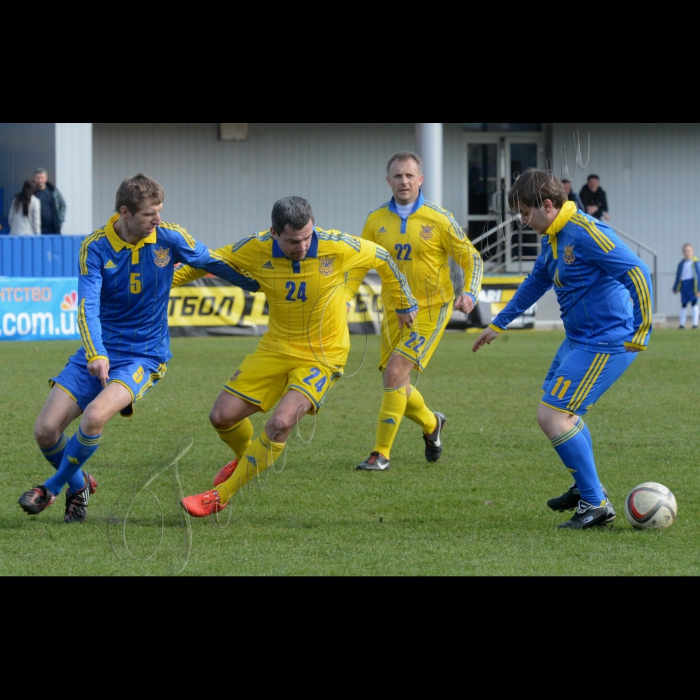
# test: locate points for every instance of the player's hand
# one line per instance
(485, 338)
(407, 319)
(631, 349)
(464, 303)
(100, 369)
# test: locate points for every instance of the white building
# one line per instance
(221, 179)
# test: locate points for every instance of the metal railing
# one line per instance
(501, 248)
(497, 257)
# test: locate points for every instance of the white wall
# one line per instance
(223, 190)
(74, 175)
(650, 174)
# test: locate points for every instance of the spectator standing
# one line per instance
(24, 216)
(573, 197)
(53, 206)
(594, 199)
(688, 284)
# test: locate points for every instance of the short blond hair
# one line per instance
(405, 155)
(135, 190)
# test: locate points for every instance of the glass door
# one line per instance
(493, 162)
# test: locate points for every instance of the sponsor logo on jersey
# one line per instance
(569, 256)
(109, 265)
(325, 266)
(137, 376)
(268, 266)
(426, 232)
(235, 375)
(161, 256)
(382, 230)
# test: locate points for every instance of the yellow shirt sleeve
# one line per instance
(186, 274)
(392, 278)
(368, 231)
(467, 257)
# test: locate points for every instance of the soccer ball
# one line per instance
(650, 506)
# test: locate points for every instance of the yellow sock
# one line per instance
(261, 454)
(238, 438)
(390, 415)
(418, 412)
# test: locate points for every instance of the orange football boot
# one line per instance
(225, 472)
(203, 504)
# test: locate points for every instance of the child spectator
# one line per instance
(687, 283)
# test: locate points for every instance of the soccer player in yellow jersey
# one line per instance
(304, 272)
(421, 237)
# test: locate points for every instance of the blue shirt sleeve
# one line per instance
(89, 289)
(533, 287)
(200, 257)
(633, 273)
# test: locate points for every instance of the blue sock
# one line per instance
(575, 451)
(587, 433)
(78, 450)
(54, 455)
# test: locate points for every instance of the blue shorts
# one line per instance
(688, 293)
(137, 374)
(578, 378)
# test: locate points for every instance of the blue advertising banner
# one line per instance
(46, 308)
(39, 308)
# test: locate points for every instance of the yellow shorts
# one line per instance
(264, 377)
(419, 342)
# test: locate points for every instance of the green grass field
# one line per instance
(479, 512)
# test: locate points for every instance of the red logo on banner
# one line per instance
(70, 302)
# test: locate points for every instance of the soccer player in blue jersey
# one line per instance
(125, 276)
(604, 294)
(421, 237)
(688, 284)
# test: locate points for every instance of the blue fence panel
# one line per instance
(48, 255)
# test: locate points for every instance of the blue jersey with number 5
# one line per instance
(124, 289)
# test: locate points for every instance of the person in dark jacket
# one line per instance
(573, 197)
(594, 199)
(53, 206)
